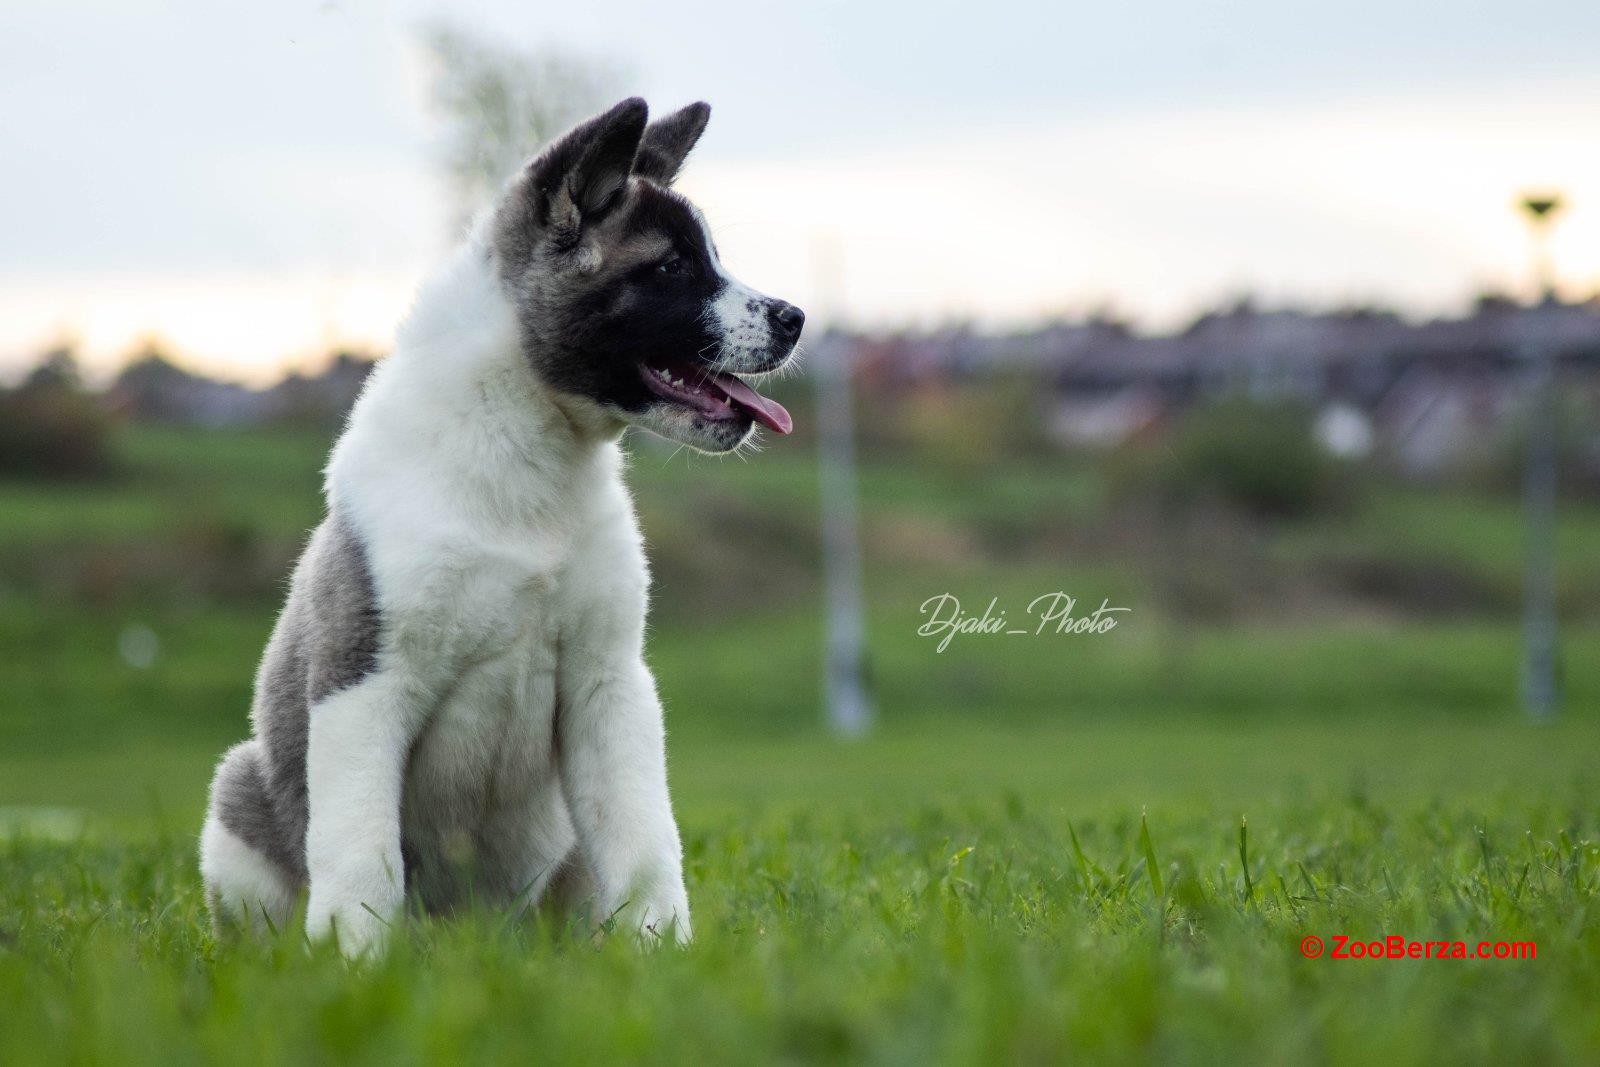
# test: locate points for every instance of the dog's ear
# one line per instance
(581, 176)
(667, 141)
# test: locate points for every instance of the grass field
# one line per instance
(887, 931)
(1037, 856)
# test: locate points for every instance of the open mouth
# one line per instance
(715, 396)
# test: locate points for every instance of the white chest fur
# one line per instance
(482, 778)
(502, 542)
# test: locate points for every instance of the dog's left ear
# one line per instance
(667, 142)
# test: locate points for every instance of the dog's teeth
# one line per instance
(664, 375)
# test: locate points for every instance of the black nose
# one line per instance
(790, 320)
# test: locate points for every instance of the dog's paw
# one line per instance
(662, 923)
(358, 930)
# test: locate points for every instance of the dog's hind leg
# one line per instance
(245, 887)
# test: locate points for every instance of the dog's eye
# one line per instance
(675, 265)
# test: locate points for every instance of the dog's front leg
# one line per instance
(614, 773)
(355, 761)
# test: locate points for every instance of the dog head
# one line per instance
(624, 308)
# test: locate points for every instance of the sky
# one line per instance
(255, 183)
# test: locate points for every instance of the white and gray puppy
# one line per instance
(455, 702)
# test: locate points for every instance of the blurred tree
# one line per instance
(151, 385)
(50, 426)
(323, 399)
(57, 368)
(1261, 458)
(500, 105)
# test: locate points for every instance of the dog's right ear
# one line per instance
(581, 176)
(667, 142)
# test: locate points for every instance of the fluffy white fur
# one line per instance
(244, 887)
(497, 528)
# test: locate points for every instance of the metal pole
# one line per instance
(848, 702)
(1541, 685)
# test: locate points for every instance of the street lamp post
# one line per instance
(846, 696)
(1541, 686)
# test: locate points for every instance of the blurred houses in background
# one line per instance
(1427, 399)
(153, 387)
(1429, 396)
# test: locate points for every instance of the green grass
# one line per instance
(914, 896)
(873, 931)
(81, 729)
(1481, 535)
(264, 481)
(1037, 856)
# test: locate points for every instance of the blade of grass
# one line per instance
(1244, 859)
(1077, 854)
(1311, 887)
(1150, 864)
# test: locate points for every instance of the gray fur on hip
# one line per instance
(326, 639)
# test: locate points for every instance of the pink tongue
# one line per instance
(767, 412)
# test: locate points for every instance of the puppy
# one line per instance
(455, 704)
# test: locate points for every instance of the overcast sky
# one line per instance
(254, 182)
